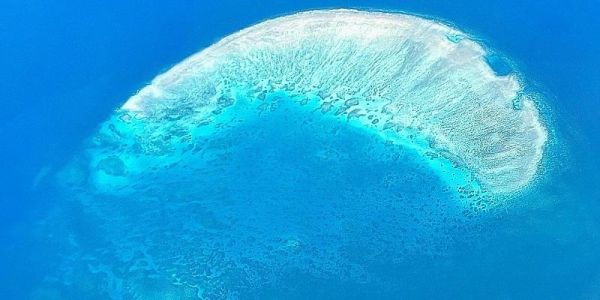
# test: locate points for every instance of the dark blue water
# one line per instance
(67, 66)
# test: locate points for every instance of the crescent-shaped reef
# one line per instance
(419, 82)
(316, 145)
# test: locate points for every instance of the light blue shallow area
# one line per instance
(281, 200)
(278, 203)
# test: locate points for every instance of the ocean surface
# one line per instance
(316, 155)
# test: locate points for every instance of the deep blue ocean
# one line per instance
(278, 199)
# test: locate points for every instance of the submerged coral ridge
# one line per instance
(233, 216)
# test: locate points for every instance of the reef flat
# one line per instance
(394, 72)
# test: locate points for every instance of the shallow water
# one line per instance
(265, 201)
(275, 197)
